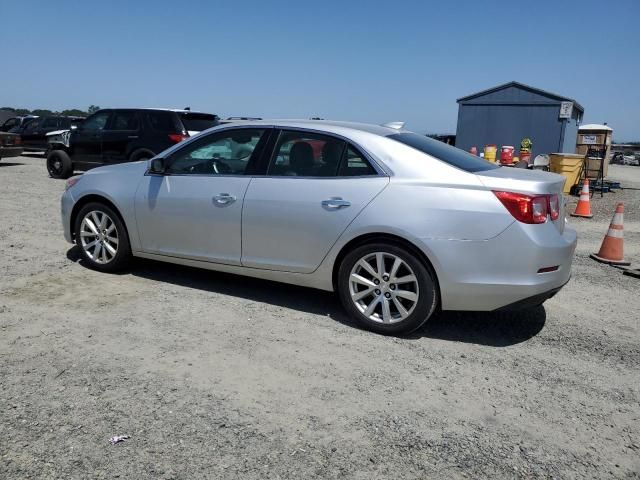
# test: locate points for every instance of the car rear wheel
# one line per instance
(102, 238)
(59, 164)
(386, 289)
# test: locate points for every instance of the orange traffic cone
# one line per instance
(583, 209)
(611, 251)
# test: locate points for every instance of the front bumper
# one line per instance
(6, 152)
(502, 271)
(66, 207)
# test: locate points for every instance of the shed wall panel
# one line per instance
(479, 125)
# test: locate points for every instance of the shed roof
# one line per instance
(595, 126)
(522, 86)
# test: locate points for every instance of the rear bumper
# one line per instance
(530, 302)
(6, 152)
(502, 271)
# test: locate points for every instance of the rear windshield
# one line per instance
(197, 122)
(448, 154)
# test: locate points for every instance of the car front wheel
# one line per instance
(102, 238)
(386, 289)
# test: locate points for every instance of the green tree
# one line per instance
(74, 112)
(41, 112)
(92, 109)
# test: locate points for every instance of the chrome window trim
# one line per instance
(381, 169)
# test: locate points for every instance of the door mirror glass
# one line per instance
(157, 165)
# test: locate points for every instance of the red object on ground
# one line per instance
(506, 154)
(525, 156)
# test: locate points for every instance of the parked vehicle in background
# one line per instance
(397, 223)
(14, 124)
(9, 145)
(34, 133)
(123, 135)
(626, 158)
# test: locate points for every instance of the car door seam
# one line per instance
(348, 225)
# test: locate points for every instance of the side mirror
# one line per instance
(157, 166)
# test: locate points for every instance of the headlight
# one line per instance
(72, 181)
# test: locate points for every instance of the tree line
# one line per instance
(40, 112)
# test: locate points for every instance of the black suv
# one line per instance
(34, 133)
(122, 135)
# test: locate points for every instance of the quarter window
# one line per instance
(222, 153)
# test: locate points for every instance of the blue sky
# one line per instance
(348, 60)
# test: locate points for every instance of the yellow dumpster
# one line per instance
(569, 165)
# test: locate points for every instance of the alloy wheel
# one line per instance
(383, 287)
(99, 237)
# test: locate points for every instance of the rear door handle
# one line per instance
(335, 202)
(132, 136)
(224, 199)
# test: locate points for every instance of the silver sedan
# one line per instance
(397, 224)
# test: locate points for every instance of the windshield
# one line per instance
(197, 122)
(448, 154)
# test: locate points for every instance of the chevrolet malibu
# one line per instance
(399, 225)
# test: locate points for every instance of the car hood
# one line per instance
(128, 168)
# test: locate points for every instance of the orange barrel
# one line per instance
(473, 150)
(506, 154)
(525, 156)
(490, 153)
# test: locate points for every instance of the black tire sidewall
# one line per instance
(428, 297)
(67, 165)
(124, 249)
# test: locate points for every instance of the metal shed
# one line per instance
(506, 114)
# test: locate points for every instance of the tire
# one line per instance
(406, 311)
(99, 256)
(59, 164)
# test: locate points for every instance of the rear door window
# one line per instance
(353, 164)
(197, 122)
(124, 120)
(446, 153)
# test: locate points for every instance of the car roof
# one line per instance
(326, 125)
(176, 110)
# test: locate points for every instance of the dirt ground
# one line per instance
(217, 376)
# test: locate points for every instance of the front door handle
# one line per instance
(335, 202)
(224, 199)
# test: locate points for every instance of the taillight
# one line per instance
(554, 206)
(17, 141)
(177, 137)
(525, 208)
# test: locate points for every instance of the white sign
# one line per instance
(566, 109)
(589, 139)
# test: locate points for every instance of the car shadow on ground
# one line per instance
(10, 164)
(495, 329)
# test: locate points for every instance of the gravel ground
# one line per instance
(217, 376)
